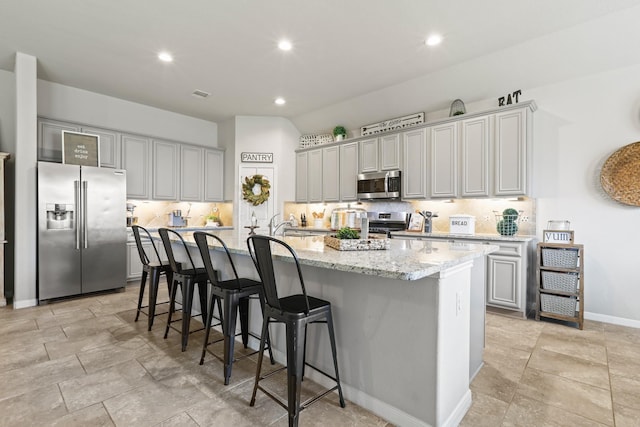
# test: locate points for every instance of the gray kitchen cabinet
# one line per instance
(369, 155)
(136, 160)
(50, 139)
(509, 274)
(474, 152)
(134, 266)
(213, 175)
(165, 170)
(330, 174)
(443, 163)
(504, 281)
(390, 152)
(348, 171)
(191, 173)
(314, 176)
(511, 152)
(109, 146)
(414, 172)
(301, 176)
(380, 154)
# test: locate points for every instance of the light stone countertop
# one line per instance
(481, 236)
(405, 260)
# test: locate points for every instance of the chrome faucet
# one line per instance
(273, 227)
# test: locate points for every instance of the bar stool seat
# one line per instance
(154, 269)
(186, 278)
(235, 294)
(296, 312)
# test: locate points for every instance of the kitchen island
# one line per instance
(402, 321)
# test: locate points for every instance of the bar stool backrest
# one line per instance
(166, 242)
(260, 251)
(141, 252)
(203, 245)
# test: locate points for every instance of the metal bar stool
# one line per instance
(186, 278)
(235, 294)
(153, 269)
(296, 312)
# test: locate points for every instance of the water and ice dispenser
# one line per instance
(60, 216)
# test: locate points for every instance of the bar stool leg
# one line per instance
(295, 363)
(229, 331)
(143, 282)
(172, 309)
(265, 329)
(243, 305)
(332, 338)
(153, 295)
(207, 326)
(187, 304)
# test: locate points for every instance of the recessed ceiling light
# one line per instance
(433, 40)
(165, 57)
(280, 101)
(285, 45)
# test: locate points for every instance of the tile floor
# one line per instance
(84, 362)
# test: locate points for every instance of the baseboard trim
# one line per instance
(612, 319)
(24, 304)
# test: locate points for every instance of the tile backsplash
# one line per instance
(156, 214)
(483, 210)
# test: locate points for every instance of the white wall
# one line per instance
(275, 135)
(57, 101)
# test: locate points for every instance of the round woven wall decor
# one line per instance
(620, 176)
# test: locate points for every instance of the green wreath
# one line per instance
(247, 189)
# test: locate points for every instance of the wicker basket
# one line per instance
(567, 282)
(307, 141)
(560, 257)
(558, 304)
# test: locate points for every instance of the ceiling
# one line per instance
(341, 48)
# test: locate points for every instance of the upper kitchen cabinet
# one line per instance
(314, 176)
(511, 152)
(109, 146)
(136, 160)
(414, 172)
(444, 160)
(301, 176)
(50, 139)
(50, 142)
(213, 175)
(165, 170)
(330, 174)
(191, 173)
(474, 156)
(348, 171)
(380, 154)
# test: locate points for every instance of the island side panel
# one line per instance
(386, 333)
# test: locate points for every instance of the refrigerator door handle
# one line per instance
(85, 229)
(76, 185)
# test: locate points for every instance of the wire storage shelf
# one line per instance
(567, 282)
(559, 305)
(560, 257)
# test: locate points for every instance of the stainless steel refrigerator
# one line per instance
(82, 234)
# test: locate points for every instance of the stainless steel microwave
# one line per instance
(379, 185)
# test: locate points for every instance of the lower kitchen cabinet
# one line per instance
(510, 280)
(134, 266)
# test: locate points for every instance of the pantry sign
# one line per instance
(80, 149)
(256, 157)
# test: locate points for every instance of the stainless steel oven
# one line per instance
(379, 185)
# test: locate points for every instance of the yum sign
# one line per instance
(557, 236)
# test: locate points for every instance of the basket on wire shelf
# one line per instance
(507, 221)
